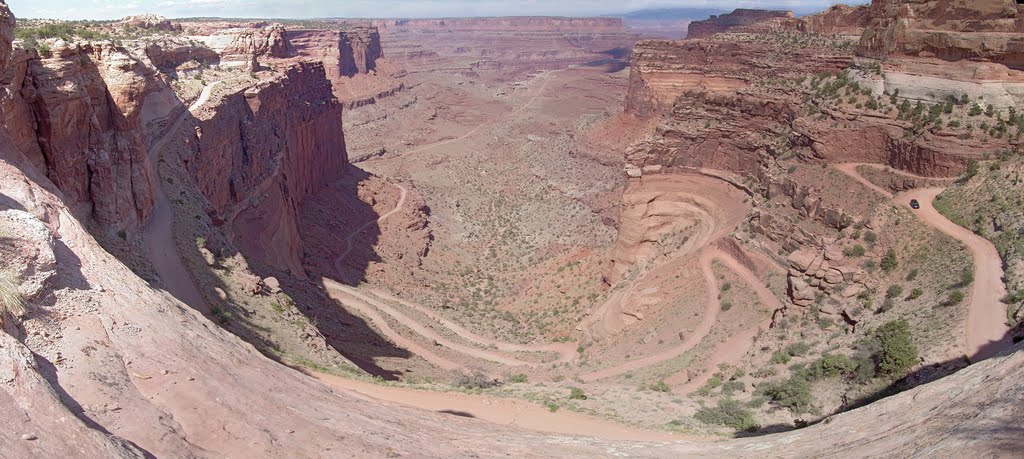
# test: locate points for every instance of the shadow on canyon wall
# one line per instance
(344, 333)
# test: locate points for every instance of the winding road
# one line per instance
(158, 232)
(368, 305)
(730, 351)
(986, 331)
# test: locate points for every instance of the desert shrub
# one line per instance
(517, 378)
(829, 366)
(779, 357)
(956, 297)
(660, 386)
(887, 305)
(870, 237)
(798, 349)
(11, 302)
(729, 413)
(855, 251)
(889, 261)
(916, 293)
(726, 305)
(912, 275)
(972, 168)
(474, 379)
(966, 277)
(575, 393)
(897, 352)
(894, 291)
(765, 372)
(793, 393)
(726, 287)
(730, 387)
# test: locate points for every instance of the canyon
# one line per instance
(536, 236)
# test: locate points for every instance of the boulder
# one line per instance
(800, 292)
(272, 284)
(802, 259)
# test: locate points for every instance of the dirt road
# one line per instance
(987, 332)
(986, 329)
(158, 232)
(731, 351)
(504, 411)
(693, 339)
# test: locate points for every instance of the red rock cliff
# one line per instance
(729, 22)
(77, 116)
(948, 29)
(262, 152)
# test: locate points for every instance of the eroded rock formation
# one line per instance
(260, 152)
(947, 29)
(78, 116)
(741, 18)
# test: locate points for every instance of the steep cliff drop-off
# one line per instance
(102, 364)
(259, 152)
(79, 115)
(740, 20)
(354, 60)
(951, 30)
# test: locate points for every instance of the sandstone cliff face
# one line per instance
(354, 61)
(740, 18)
(261, 152)
(77, 116)
(838, 19)
(151, 22)
(249, 46)
(168, 54)
(359, 50)
(661, 71)
(6, 34)
(948, 29)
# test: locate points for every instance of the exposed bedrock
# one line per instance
(262, 151)
(78, 116)
(947, 29)
(739, 19)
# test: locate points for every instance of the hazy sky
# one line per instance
(112, 9)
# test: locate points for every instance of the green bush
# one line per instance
(889, 261)
(729, 413)
(765, 372)
(829, 366)
(779, 357)
(855, 251)
(730, 387)
(517, 378)
(912, 275)
(798, 349)
(894, 291)
(955, 298)
(793, 393)
(870, 237)
(897, 353)
(575, 393)
(660, 386)
(916, 293)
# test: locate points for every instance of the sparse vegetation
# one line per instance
(729, 413)
(11, 302)
(575, 393)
